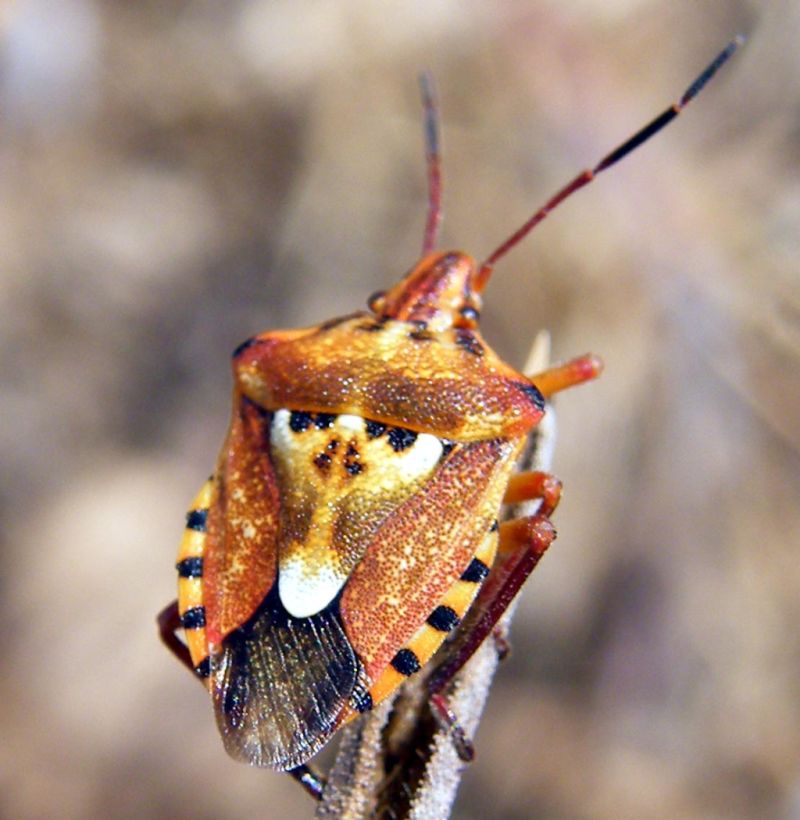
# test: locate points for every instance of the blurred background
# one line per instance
(177, 175)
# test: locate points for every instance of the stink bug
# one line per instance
(353, 514)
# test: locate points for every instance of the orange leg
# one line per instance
(526, 487)
(574, 372)
(533, 485)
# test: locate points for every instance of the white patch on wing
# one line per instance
(304, 592)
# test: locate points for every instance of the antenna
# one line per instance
(585, 177)
(434, 158)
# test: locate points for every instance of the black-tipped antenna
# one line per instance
(434, 158)
(585, 177)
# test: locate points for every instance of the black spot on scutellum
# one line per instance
(375, 429)
(351, 460)
(421, 335)
(322, 461)
(323, 421)
(401, 438)
(420, 332)
(299, 421)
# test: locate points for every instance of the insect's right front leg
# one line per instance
(523, 541)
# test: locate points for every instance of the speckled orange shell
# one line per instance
(381, 526)
(240, 556)
(389, 371)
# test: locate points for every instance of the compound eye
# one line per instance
(469, 316)
(375, 302)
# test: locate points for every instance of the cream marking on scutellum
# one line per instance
(396, 458)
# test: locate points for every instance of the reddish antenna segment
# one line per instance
(434, 158)
(585, 177)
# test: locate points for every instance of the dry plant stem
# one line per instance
(398, 761)
(355, 776)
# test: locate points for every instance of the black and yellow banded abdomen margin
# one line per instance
(190, 577)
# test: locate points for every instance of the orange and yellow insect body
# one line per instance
(353, 512)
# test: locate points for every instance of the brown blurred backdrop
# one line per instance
(176, 175)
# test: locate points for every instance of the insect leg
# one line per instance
(169, 622)
(527, 486)
(313, 783)
(531, 486)
(524, 541)
(574, 372)
(448, 720)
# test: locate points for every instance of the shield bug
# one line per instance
(353, 514)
